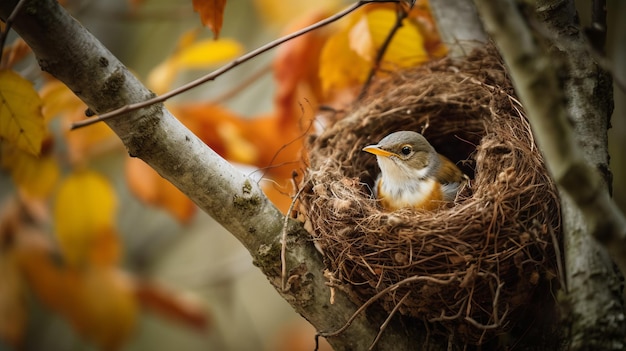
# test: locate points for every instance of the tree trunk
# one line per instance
(597, 323)
(580, 96)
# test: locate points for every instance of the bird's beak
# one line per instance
(374, 149)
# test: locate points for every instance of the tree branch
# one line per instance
(69, 52)
(218, 72)
(459, 26)
(586, 204)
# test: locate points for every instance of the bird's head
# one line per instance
(405, 155)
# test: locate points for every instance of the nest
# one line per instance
(469, 269)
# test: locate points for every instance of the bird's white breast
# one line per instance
(405, 194)
(405, 187)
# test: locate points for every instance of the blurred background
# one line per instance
(196, 257)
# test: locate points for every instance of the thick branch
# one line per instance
(459, 25)
(69, 52)
(587, 206)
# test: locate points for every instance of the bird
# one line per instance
(413, 174)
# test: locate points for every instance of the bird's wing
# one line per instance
(449, 172)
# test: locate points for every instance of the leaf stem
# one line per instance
(401, 14)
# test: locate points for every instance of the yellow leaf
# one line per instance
(407, 46)
(341, 67)
(360, 39)
(21, 121)
(349, 54)
(36, 176)
(207, 53)
(84, 211)
(187, 39)
(211, 14)
(199, 55)
(106, 307)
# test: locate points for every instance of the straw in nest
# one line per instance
(469, 268)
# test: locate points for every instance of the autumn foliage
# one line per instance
(57, 191)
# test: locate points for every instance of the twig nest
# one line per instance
(472, 268)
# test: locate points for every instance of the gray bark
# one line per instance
(572, 134)
(459, 26)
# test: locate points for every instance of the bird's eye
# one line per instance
(406, 150)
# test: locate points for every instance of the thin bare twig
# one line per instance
(391, 314)
(401, 14)
(559, 260)
(379, 295)
(302, 135)
(251, 79)
(283, 242)
(213, 75)
(8, 23)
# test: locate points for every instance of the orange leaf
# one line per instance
(267, 142)
(154, 190)
(13, 317)
(296, 71)
(279, 146)
(107, 248)
(184, 309)
(262, 141)
(211, 14)
(12, 310)
(43, 275)
(106, 309)
(218, 127)
(98, 302)
(135, 4)
(279, 196)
